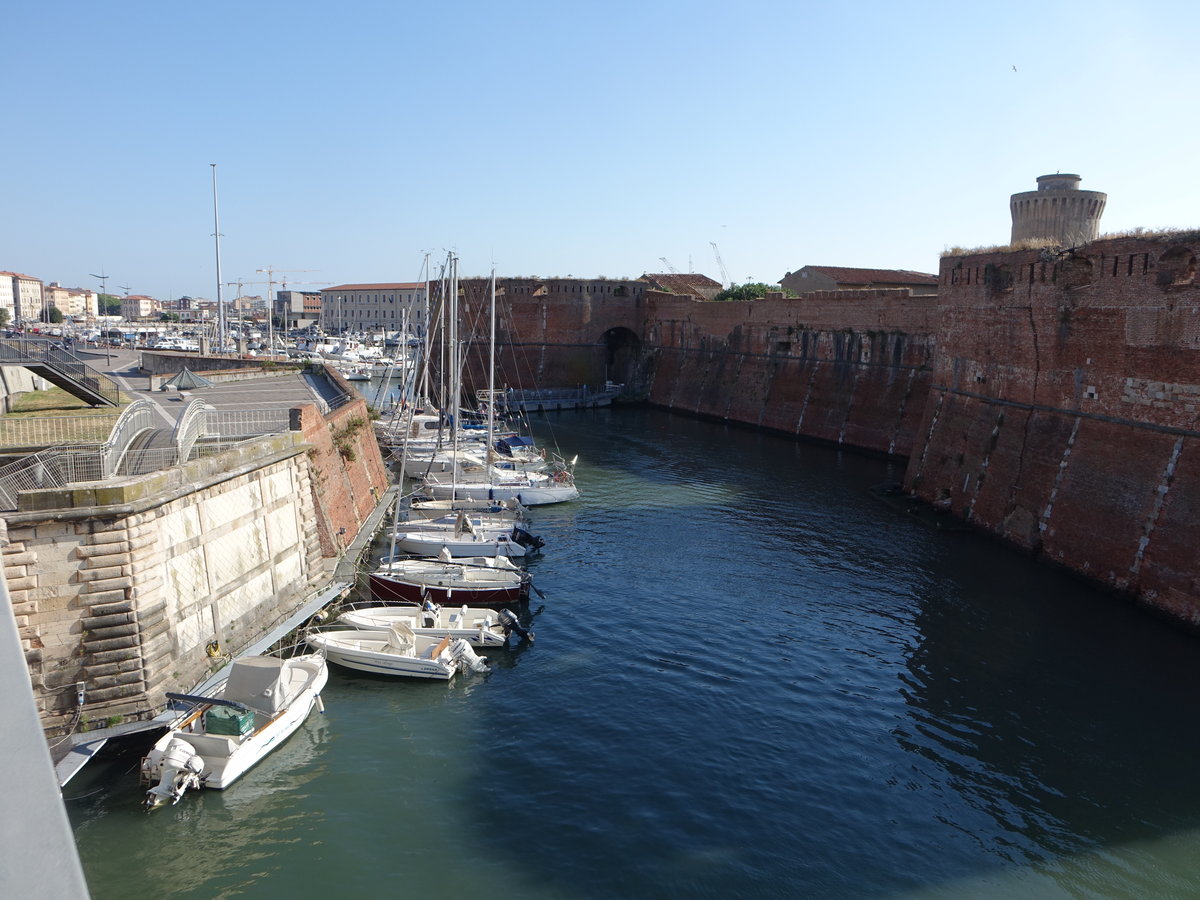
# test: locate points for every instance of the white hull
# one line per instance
(378, 652)
(433, 543)
(525, 494)
(477, 626)
(221, 759)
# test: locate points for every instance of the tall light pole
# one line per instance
(217, 238)
(103, 293)
(270, 273)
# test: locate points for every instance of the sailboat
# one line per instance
(489, 481)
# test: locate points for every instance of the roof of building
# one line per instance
(844, 275)
(682, 282)
(389, 286)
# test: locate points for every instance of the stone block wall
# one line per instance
(124, 589)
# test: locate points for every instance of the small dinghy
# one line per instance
(218, 738)
(397, 650)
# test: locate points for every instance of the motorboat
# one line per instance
(219, 737)
(397, 650)
(477, 626)
(476, 581)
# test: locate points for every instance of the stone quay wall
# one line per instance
(125, 586)
(1062, 415)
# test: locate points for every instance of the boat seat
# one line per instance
(401, 638)
(211, 744)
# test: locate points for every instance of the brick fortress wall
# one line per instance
(1062, 414)
(845, 367)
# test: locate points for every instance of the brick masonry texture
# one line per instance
(1063, 410)
(1049, 397)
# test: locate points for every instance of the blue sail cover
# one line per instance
(508, 444)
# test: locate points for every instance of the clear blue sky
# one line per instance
(556, 138)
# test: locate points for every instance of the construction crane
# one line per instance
(270, 271)
(725, 282)
(670, 268)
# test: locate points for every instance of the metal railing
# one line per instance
(247, 422)
(137, 418)
(55, 431)
(26, 351)
(194, 422)
(48, 469)
(205, 432)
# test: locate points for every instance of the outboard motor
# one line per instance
(461, 651)
(510, 623)
(527, 540)
(180, 767)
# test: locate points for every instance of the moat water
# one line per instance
(751, 679)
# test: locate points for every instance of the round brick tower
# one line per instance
(1058, 211)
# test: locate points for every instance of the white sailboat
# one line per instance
(489, 482)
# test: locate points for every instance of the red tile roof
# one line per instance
(684, 283)
(873, 276)
(390, 286)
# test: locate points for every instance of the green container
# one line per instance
(227, 720)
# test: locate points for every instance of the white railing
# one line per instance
(55, 431)
(140, 416)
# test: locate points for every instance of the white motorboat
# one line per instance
(477, 626)
(264, 700)
(397, 650)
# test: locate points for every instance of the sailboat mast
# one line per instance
(491, 392)
(217, 239)
(455, 374)
(428, 335)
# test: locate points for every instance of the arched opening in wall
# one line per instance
(1177, 266)
(622, 348)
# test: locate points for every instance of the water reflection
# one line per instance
(749, 680)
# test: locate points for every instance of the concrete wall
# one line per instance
(16, 380)
(122, 585)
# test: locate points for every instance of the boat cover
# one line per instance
(258, 682)
(509, 444)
